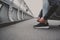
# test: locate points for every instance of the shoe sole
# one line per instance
(42, 27)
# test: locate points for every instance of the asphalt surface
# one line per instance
(25, 31)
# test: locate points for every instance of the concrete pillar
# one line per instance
(10, 13)
(18, 15)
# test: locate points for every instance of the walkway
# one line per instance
(25, 31)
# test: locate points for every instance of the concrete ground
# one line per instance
(25, 31)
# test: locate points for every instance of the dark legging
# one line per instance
(49, 13)
(41, 13)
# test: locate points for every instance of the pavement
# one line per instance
(25, 31)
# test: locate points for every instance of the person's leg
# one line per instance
(40, 15)
(43, 12)
(43, 23)
(44, 9)
(49, 13)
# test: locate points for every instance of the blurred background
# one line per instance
(35, 6)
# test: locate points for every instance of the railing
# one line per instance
(9, 13)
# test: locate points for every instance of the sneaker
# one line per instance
(41, 25)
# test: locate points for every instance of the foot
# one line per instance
(42, 20)
(42, 25)
(38, 20)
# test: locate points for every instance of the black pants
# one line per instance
(50, 12)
